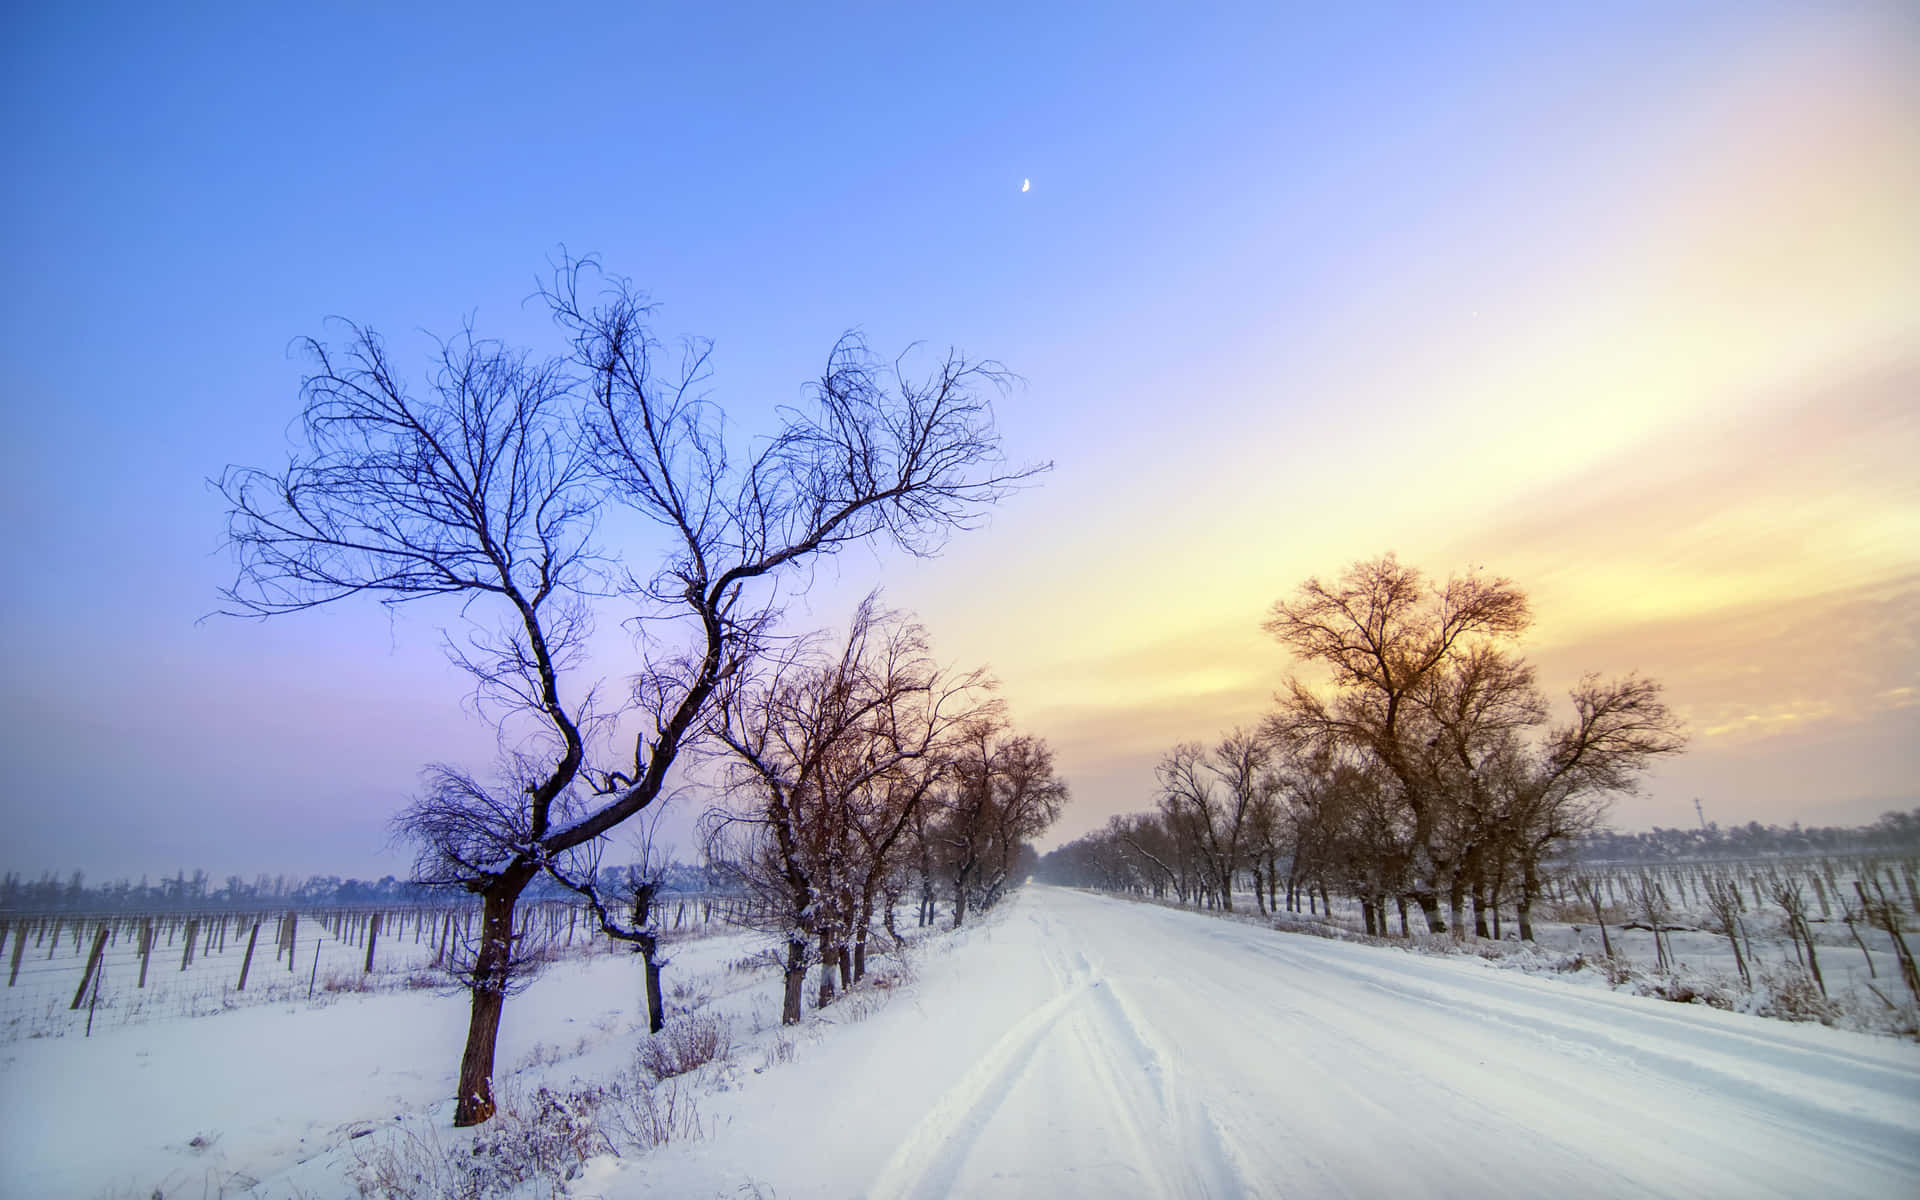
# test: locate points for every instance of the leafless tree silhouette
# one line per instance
(487, 487)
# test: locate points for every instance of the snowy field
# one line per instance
(1069, 1045)
(194, 963)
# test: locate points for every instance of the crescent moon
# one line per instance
(1025, 184)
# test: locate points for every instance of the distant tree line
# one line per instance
(196, 891)
(1893, 833)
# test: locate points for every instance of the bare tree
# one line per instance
(486, 489)
(1723, 905)
(1216, 821)
(1346, 827)
(636, 894)
(1029, 798)
(1382, 633)
(828, 759)
(1558, 790)
(1003, 792)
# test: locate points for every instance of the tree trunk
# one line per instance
(1429, 903)
(796, 980)
(1529, 888)
(1733, 939)
(656, 1009)
(492, 970)
(826, 970)
(1606, 943)
(893, 934)
(1813, 959)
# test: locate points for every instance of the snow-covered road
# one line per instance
(1066, 1045)
(1083, 1046)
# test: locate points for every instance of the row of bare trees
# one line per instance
(851, 769)
(485, 487)
(1418, 764)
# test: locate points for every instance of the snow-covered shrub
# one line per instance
(545, 1138)
(1689, 989)
(686, 1043)
(548, 1136)
(1792, 995)
(687, 997)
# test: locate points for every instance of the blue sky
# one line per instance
(1292, 286)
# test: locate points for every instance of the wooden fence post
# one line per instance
(248, 960)
(95, 999)
(186, 956)
(93, 964)
(13, 973)
(146, 948)
(373, 935)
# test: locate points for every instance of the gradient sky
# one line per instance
(1623, 304)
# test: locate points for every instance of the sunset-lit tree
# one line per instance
(1422, 763)
(1383, 635)
(1423, 687)
(484, 488)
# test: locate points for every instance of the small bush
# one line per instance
(1711, 993)
(654, 1116)
(545, 1138)
(780, 1052)
(1617, 970)
(1792, 995)
(686, 1043)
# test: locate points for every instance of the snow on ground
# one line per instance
(1068, 1045)
(210, 1104)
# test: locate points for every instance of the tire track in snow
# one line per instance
(928, 1159)
(1078, 1098)
(1202, 1147)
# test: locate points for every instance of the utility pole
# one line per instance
(1702, 812)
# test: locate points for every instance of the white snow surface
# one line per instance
(1068, 1045)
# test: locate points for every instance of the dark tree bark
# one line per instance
(489, 979)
